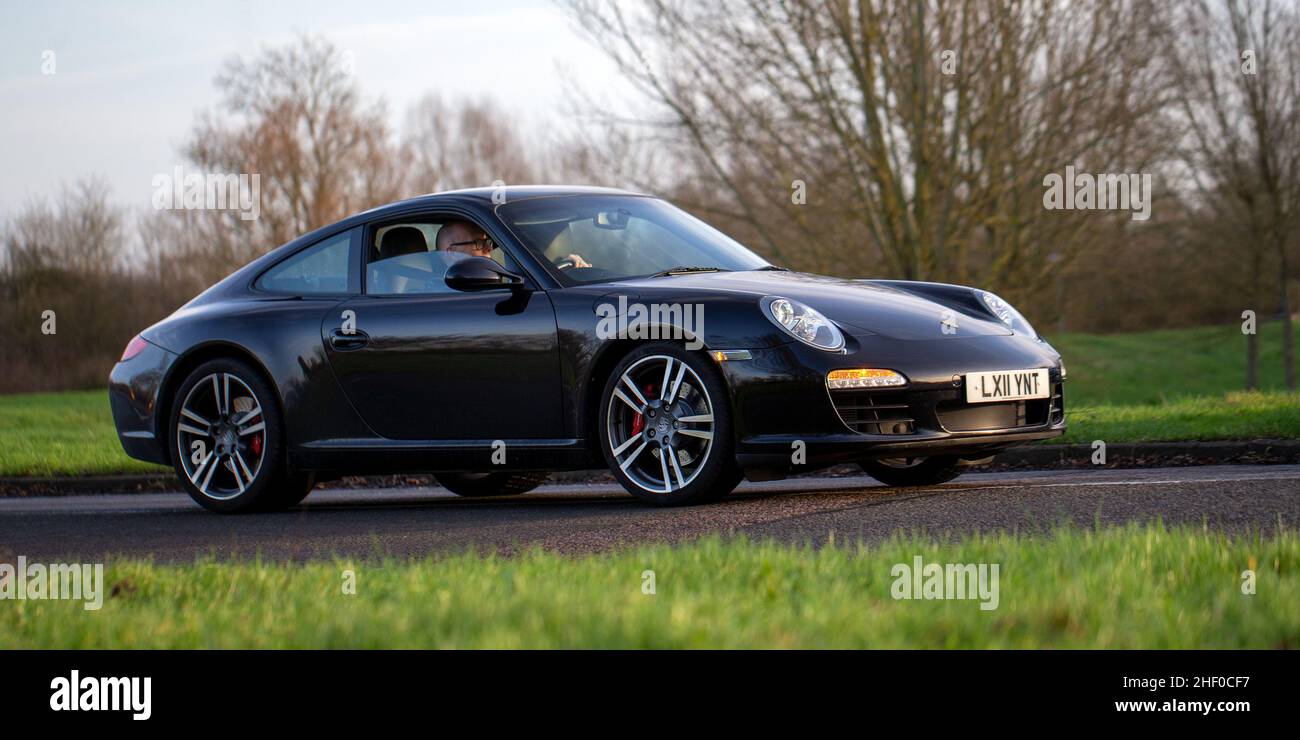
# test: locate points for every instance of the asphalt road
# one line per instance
(585, 518)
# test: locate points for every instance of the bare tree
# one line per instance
(80, 231)
(291, 115)
(921, 131)
(62, 270)
(464, 143)
(1238, 66)
(294, 116)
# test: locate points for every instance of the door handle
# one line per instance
(343, 341)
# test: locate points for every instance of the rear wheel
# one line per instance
(665, 427)
(227, 441)
(474, 485)
(914, 471)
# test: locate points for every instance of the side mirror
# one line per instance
(481, 273)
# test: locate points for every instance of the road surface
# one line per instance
(585, 518)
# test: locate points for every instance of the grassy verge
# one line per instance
(1234, 416)
(1153, 367)
(68, 433)
(1135, 587)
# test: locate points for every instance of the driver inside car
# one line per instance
(466, 238)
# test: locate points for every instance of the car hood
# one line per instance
(858, 306)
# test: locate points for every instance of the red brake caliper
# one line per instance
(638, 421)
(256, 444)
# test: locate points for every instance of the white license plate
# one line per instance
(1007, 385)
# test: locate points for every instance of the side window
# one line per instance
(404, 259)
(321, 269)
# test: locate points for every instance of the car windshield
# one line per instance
(601, 238)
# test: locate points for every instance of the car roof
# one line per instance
(478, 196)
(486, 195)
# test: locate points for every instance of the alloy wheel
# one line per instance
(221, 435)
(659, 424)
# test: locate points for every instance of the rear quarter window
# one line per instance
(321, 269)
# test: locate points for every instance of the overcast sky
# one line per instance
(130, 76)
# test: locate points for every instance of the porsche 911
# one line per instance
(493, 336)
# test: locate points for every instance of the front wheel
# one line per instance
(475, 485)
(913, 471)
(227, 441)
(665, 427)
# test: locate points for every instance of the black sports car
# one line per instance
(492, 336)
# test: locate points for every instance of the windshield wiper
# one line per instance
(771, 268)
(684, 269)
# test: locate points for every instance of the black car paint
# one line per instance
(443, 377)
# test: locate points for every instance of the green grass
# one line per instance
(1161, 385)
(1135, 587)
(68, 433)
(1152, 367)
(1174, 385)
(1234, 416)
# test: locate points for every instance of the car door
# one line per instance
(282, 329)
(426, 362)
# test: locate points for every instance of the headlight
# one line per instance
(803, 323)
(1007, 313)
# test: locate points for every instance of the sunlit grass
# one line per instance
(1153, 367)
(1256, 415)
(1134, 587)
(68, 433)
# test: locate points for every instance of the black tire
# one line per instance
(297, 486)
(240, 487)
(475, 485)
(923, 471)
(724, 487)
(709, 471)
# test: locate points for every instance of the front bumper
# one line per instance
(775, 452)
(787, 420)
(134, 388)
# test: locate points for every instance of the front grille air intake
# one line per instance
(873, 412)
